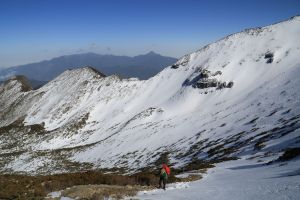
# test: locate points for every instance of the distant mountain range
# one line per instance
(142, 66)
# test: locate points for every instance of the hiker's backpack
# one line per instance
(167, 169)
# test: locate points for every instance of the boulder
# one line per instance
(269, 56)
(217, 73)
(270, 60)
(229, 85)
(174, 66)
(221, 85)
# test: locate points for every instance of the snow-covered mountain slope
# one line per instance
(236, 97)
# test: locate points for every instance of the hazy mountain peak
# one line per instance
(152, 53)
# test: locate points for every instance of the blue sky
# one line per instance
(34, 30)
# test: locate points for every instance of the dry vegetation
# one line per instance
(37, 187)
(99, 192)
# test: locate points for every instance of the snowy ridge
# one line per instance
(237, 97)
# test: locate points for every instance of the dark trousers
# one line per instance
(163, 181)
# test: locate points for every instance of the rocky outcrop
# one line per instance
(207, 79)
(182, 62)
(206, 83)
(269, 56)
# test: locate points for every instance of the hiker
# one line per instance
(164, 173)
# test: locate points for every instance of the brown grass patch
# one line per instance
(191, 177)
(37, 187)
(97, 192)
